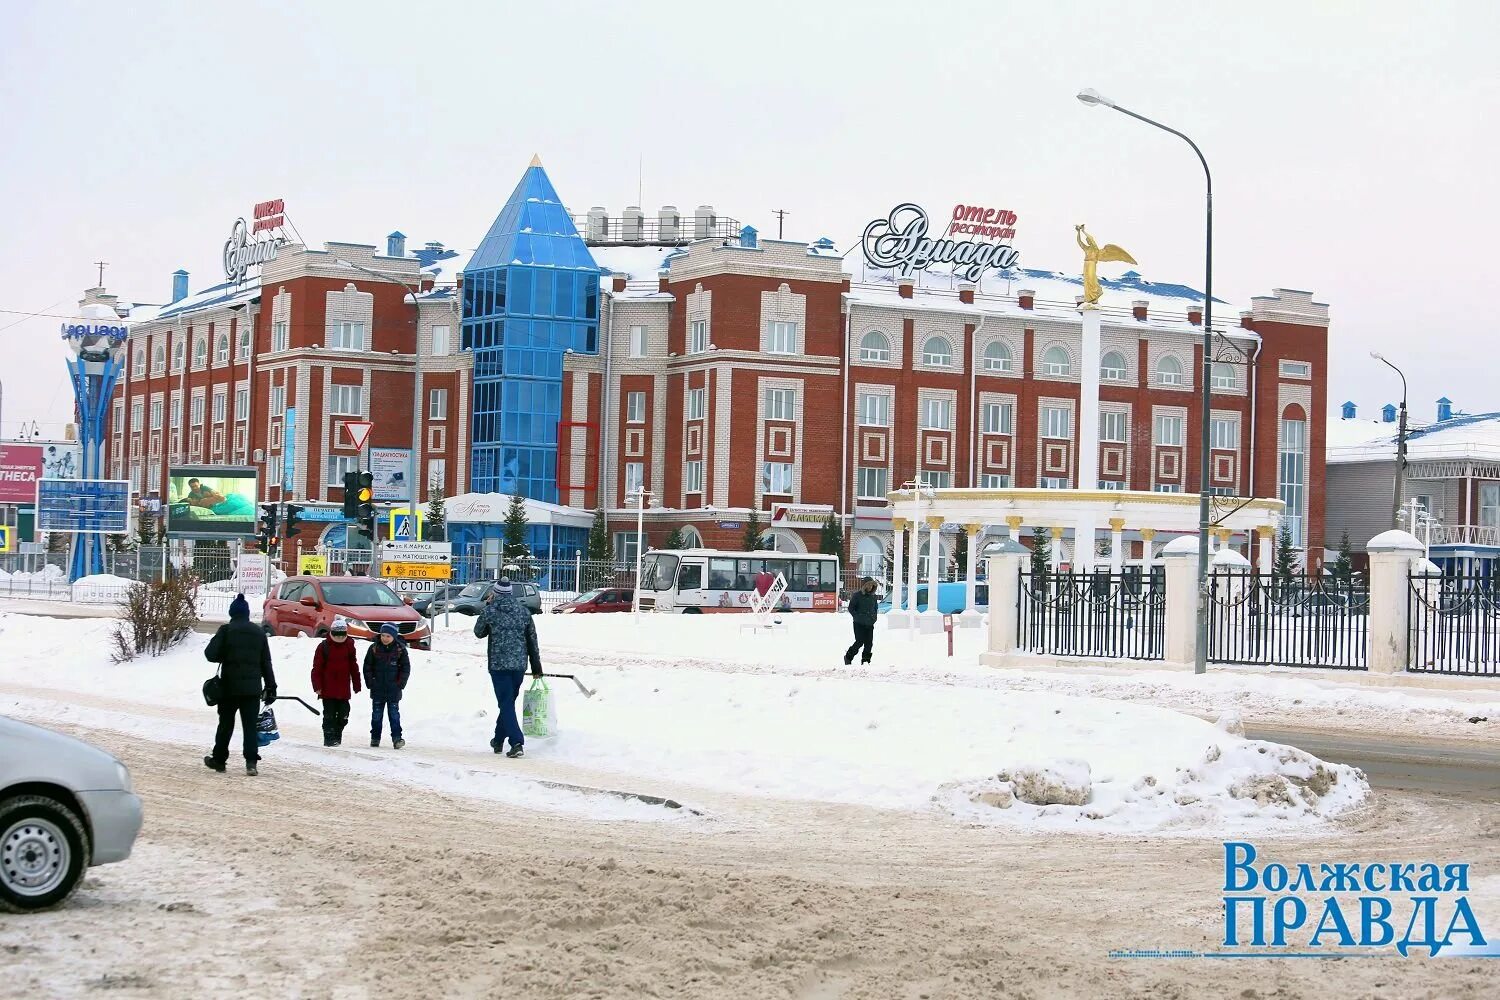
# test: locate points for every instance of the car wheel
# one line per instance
(267, 629)
(44, 850)
(692, 611)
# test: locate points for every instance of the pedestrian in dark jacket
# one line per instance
(335, 679)
(386, 669)
(244, 658)
(864, 608)
(512, 645)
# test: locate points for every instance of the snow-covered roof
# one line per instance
(1468, 437)
(220, 296)
(640, 263)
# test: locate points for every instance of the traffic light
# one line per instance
(293, 519)
(351, 494)
(266, 530)
(365, 495)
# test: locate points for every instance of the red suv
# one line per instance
(597, 602)
(307, 605)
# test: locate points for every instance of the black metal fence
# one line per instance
(1454, 625)
(1304, 622)
(1118, 615)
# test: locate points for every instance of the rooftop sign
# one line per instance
(900, 241)
(246, 248)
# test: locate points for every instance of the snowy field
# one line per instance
(692, 708)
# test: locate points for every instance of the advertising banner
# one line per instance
(389, 467)
(315, 565)
(84, 506)
(212, 501)
(289, 453)
(253, 573)
(20, 468)
(62, 460)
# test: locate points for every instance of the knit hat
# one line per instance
(340, 625)
(390, 629)
(239, 609)
(502, 585)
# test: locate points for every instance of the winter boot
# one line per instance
(515, 752)
(250, 769)
(497, 745)
(374, 742)
(398, 744)
(209, 763)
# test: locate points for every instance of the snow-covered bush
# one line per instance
(157, 617)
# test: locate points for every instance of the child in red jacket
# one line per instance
(335, 679)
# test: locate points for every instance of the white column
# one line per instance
(932, 618)
(1116, 544)
(1148, 558)
(1005, 580)
(1013, 527)
(1392, 555)
(898, 567)
(913, 565)
(1264, 559)
(1085, 542)
(1181, 559)
(1056, 553)
(1088, 407)
(971, 615)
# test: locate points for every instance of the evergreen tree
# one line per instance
(675, 540)
(514, 547)
(599, 538)
(145, 530)
(435, 527)
(1343, 566)
(961, 557)
(752, 531)
(1284, 562)
(1041, 551)
(831, 537)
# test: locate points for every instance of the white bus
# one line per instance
(708, 581)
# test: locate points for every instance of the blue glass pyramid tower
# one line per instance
(531, 292)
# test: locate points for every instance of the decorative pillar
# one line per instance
(1116, 544)
(1088, 407)
(1181, 559)
(1057, 534)
(1264, 560)
(913, 562)
(1392, 556)
(1013, 524)
(1006, 559)
(1148, 558)
(932, 618)
(970, 616)
(898, 568)
(1222, 536)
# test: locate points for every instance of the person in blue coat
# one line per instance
(387, 668)
(512, 645)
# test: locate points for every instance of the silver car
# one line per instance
(64, 806)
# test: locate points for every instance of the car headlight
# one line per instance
(122, 774)
(356, 623)
(568, 611)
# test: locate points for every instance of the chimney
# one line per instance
(1388, 413)
(1246, 318)
(1195, 316)
(619, 283)
(179, 285)
(1138, 309)
(1026, 297)
(661, 282)
(906, 287)
(1348, 411)
(1445, 409)
(395, 244)
(966, 292)
(748, 237)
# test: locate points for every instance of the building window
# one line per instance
(936, 480)
(697, 336)
(637, 341)
(244, 351)
(1169, 371)
(1053, 482)
(273, 470)
(1112, 367)
(1489, 504)
(200, 353)
(875, 347)
(156, 414)
(276, 435)
(442, 341)
(437, 438)
(937, 414)
(279, 340)
(994, 481)
(873, 409)
(781, 404)
(196, 418)
(221, 397)
(999, 418)
(139, 369)
(221, 349)
(871, 556)
(1114, 427)
(696, 403)
(1224, 433)
(242, 403)
(1221, 491)
(781, 338)
(278, 400)
(1111, 485)
(1056, 364)
(437, 404)
(1169, 429)
(1057, 422)
(339, 466)
(937, 352)
(346, 400)
(627, 544)
(777, 478)
(1167, 488)
(692, 477)
(158, 360)
(119, 416)
(635, 407)
(635, 477)
(179, 356)
(437, 474)
(872, 482)
(1294, 369)
(1223, 375)
(997, 357)
(346, 336)
(1291, 473)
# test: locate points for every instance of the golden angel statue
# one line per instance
(1093, 253)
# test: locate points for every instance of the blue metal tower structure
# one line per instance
(531, 293)
(98, 344)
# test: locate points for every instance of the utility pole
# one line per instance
(781, 215)
(102, 264)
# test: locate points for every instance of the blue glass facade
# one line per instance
(531, 292)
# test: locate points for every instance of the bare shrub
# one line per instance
(157, 617)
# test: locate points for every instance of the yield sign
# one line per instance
(359, 432)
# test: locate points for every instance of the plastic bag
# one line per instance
(538, 710)
(266, 731)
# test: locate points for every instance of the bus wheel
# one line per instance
(692, 611)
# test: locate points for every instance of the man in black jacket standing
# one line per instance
(244, 658)
(864, 608)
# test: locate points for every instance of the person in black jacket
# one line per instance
(244, 658)
(387, 668)
(864, 608)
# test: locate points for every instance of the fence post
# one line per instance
(1180, 561)
(1392, 556)
(1005, 558)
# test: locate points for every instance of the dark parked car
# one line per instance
(470, 600)
(445, 592)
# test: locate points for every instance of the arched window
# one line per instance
(690, 537)
(937, 352)
(924, 561)
(1223, 375)
(1055, 362)
(200, 352)
(1169, 371)
(244, 351)
(1112, 367)
(997, 357)
(140, 363)
(221, 349)
(874, 346)
(780, 540)
(158, 359)
(870, 555)
(179, 355)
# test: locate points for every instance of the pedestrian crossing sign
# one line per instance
(5, 538)
(406, 526)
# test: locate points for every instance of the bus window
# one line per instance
(809, 578)
(782, 566)
(690, 577)
(658, 572)
(830, 576)
(721, 574)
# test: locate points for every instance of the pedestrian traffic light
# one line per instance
(293, 519)
(266, 530)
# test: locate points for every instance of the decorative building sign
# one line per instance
(247, 247)
(95, 340)
(900, 241)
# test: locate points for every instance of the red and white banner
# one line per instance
(20, 468)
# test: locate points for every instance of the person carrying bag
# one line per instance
(245, 679)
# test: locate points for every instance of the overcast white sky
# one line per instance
(1354, 145)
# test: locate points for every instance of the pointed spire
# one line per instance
(536, 159)
(533, 228)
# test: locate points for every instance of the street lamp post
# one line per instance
(1400, 444)
(640, 546)
(416, 398)
(1095, 99)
